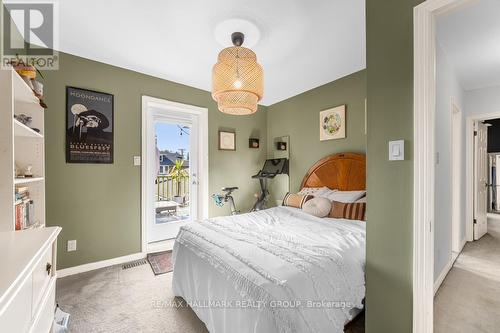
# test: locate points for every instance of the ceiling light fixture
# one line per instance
(237, 79)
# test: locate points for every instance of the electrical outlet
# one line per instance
(71, 245)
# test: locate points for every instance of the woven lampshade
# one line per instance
(237, 81)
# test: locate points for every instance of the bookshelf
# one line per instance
(21, 146)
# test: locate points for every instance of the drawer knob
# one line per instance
(48, 268)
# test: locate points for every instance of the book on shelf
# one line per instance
(21, 193)
(25, 214)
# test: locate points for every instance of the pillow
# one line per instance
(295, 199)
(317, 191)
(317, 206)
(346, 196)
(350, 211)
(313, 190)
(363, 199)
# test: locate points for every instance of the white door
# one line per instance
(168, 202)
(480, 181)
(175, 197)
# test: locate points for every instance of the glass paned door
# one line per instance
(174, 178)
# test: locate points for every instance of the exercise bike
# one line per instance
(226, 197)
(271, 168)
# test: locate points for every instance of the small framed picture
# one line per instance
(253, 143)
(227, 140)
(332, 123)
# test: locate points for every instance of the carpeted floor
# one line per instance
(469, 298)
(113, 300)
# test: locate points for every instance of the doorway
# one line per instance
(174, 170)
(476, 174)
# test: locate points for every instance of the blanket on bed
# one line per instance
(307, 273)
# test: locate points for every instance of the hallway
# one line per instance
(469, 298)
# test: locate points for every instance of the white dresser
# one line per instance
(28, 279)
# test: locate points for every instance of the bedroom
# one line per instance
(107, 210)
(324, 64)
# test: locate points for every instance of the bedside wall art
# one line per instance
(332, 123)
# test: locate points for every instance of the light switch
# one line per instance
(396, 150)
(137, 160)
(71, 245)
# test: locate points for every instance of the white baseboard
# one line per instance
(494, 216)
(448, 266)
(99, 264)
(462, 244)
(443, 274)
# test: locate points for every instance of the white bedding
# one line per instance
(277, 270)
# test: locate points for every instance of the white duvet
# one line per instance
(276, 270)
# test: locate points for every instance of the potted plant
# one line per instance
(178, 174)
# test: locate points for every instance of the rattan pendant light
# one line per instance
(237, 79)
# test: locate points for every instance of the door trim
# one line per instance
(455, 175)
(424, 108)
(202, 113)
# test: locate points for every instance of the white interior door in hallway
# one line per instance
(480, 180)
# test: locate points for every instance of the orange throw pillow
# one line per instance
(350, 211)
(296, 200)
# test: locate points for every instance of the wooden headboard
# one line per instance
(344, 171)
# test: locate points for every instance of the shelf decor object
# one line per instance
(237, 79)
(280, 145)
(253, 143)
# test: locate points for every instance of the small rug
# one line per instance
(161, 262)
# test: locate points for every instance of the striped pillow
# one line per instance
(296, 200)
(350, 211)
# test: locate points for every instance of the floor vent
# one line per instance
(134, 264)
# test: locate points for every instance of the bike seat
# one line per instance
(229, 189)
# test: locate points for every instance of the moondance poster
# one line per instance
(89, 126)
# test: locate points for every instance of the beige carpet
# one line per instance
(469, 298)
(132, 300)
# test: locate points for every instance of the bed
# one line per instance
(280, 269)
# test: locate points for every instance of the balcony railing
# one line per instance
(166, 188)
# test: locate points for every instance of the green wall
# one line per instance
(389, 47)
(99, 205)
(298, 117)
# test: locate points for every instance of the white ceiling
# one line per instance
(302, 45)
(470, 37)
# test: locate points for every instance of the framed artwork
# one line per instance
(253, 143)
(89, 126)
(227, 140)
(332, 123)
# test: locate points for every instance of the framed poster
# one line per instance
(89, 126)
(227, 140)
(332, 123)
